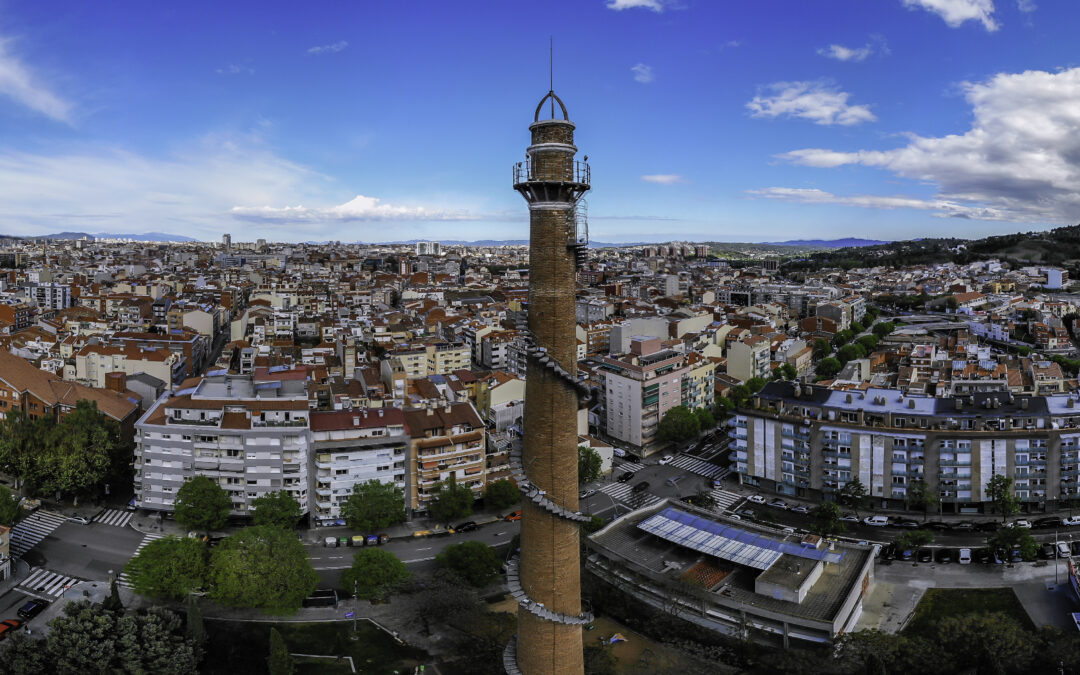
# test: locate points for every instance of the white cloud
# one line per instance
(842, 53)
(643, 73)
(236, 69)
(817, 101)
(663, 178)
(359, 208)
(1020, 160)
(956, 12)
(329, 49)
(943, 207)
(21, 85)
(619, 5)
(1026, 6)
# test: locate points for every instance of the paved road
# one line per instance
(87, 551)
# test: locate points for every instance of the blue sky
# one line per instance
(376, 121)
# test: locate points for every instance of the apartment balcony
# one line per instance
(205, 463)
(1070, 473)
(279, 423)
(954, 462)
(1030, 462)
(231, 464)
(802, 471)
(836, 454)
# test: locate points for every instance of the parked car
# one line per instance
(330, 542)
(1026, 524)
(619, 452)
(964, 556)
(943, 556)
(888, 551)
(8, 626)
(935, 525)
(666, 458)
(586, 494)
(1068, 521)
(1063, 550)
(778, 504)
(801, 508)
(746, 513)
(31, 609)
(963, 525)
(909, 524)
(82, 520)
(467, 526)
(925, 555)
(1015, 555)
(1075, 548)
(640, 487)
(1045, 523)
(626, 476)
(1047, 551)
(516, 515)
(757, 499)
(906, 554)
(983, 556)
(849, 518)
(876, 521)
(1001, 556)
(986, 526)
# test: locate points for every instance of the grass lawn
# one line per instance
(943, 603)
(236, 648)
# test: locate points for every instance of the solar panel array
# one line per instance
(729, 543)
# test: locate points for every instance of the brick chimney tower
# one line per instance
(548, 577)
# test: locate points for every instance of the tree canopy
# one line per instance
(500, 494)
(262, 567)
(827, 521)
(451, 501)
(375, 572)
(829, 367)
(169, 568)
(279, 509)
(474, 561)
(201, 504)
(374, 505)
(94, 640)
(280, 661)
(920, 496)
(9, 506)
(679, 424)
(1002, 499)
(588, 464)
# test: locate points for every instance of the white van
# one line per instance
(876, 521)
(965, 556)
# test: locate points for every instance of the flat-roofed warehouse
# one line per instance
(729, 575)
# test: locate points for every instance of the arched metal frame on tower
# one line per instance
(546, 581)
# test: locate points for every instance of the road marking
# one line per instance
(46, 582)
(32, 530)
(424, 549)
(114, 517)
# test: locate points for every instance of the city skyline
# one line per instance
(900, 119)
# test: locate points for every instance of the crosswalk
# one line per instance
(32, 530)
(623, 492)
(43, 582)
(123, 579)
(115, 517)
(725, 500)
(622, 465)
(700, 467)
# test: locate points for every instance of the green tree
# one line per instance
(829, 367)
(201, 504)
(279, 509)
(588, 464)
(78, 452)
(827, 521)
(599, 659)
(868, 342)
(854, 492)
(703, 499)
(194, 628)
(1002, 499)
(884, 328)
(739, 395)
(857, 327)
(262, 567)
(168, 568)
(785, 371)
(502, 493)
(374, 574)
(280, 661)
(1009, 538)
(952, 303)
(822, 348)
(20, 446)
(915, 539)
(451, 501)
(474, 561)
(755, 384)
(679, 424)
(986, 643)
(595, 524)
(848, 353)
(920, 496)
(9, 506)
(705, 419)
(374, 505)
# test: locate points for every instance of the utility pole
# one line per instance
(356, 606)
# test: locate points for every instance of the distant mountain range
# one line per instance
(828, 243)
(145, 236)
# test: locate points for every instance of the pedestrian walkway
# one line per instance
(32, 530)
(622, 465)
(700, 467)
(115, 517)
(46, 583)
(624, 493)
(123, 580)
